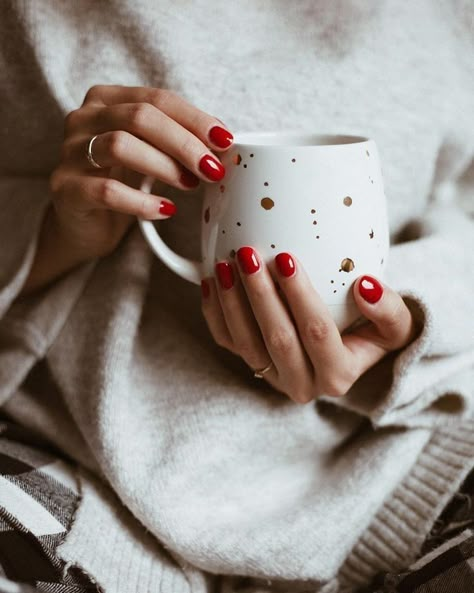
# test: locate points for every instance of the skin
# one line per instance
(140, 131)
(155, 132)
(297, 333)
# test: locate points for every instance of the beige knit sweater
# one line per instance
(191, 467)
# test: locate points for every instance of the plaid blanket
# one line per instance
(446, 564)
(38, 498)
(39, 495)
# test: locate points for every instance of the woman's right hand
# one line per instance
(139, 131)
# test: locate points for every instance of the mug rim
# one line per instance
(296, 139)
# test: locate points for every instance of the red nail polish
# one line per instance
(225, 274)
(248, 260)
(188, 179)
(212, 168)
(167, 208)
(220, 137)
(205, 290)
(370, 289)
(285, 264)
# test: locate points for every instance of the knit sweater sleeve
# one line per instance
(28, 325)
(431, 381)
(31, 118)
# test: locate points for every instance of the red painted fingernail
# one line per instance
(248, 260)
(225, 274)
(211, 168)
(167, 208)
(188, 179)
(370, 289)
(205, 290)
(220, 137)
(285, 264)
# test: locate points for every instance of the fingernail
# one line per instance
(188, 179)
(248, 260)
(285, 264)
(225, 275)
(211, 168)
(205, 290)
(167, 208)
(370, 289)
(220, 137)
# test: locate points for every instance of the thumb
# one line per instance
(392, 324)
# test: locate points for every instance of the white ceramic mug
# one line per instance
(318, 197)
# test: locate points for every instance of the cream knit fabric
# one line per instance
(213, 472)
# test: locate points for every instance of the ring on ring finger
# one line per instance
(258, 373)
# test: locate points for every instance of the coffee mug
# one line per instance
(319, 197)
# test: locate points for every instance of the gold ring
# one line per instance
(90, 158)
(258, 373)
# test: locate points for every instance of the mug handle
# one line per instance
(186, 268)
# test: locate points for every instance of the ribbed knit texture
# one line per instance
(212, 471)
(398, 529)
(115, 540)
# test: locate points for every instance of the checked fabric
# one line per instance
(39, 495)
(38, 498)
(446, 564)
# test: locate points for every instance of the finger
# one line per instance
(212, 311)
(317, 330)
(121, 149)
(86, 193)
(210, 130)
(161, 131)
(391, 325)
(240, 320)
(277, 328)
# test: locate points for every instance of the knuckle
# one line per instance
(336, 387)
(301, 397)
(316, 330)
(107, 193)
(139, 115)
(71, 121)
(162, 97)
(56, 181)
(259, 291)
(200, 120)
(146, 207)
(117, 144)
(189, 145)
(393, 320)
(93, 93)
(67, 150)
(222, 341)
(281, 340)
(246, 351)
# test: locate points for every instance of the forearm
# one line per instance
(55, 256)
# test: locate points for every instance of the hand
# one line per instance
(246, 314)
(139, 131)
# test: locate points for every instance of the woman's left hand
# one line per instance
(296, 334)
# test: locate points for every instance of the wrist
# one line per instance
(55, 255)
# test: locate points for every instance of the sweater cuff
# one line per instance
(110, 545)
(412, 387)
(430, 382)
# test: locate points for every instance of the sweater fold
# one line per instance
(203, 477)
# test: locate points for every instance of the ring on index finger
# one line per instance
(90, 156)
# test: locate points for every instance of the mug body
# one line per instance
(320, 198)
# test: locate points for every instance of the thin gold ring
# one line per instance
(90, 158)
(258, 373)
